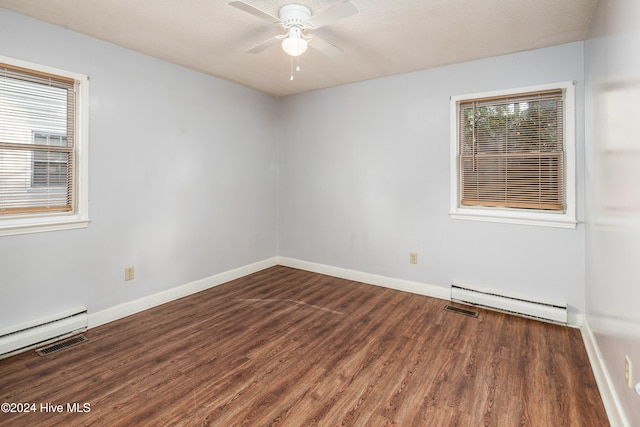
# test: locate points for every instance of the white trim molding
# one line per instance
(615, 411)
(574, 318)
(368, 278)
(136, 306)
(132, 307)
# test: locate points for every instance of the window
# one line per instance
(513, 156)
(51, 169)
(43, 168)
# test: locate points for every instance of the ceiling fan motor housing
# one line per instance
(294, 15)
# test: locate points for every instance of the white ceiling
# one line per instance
(386, 37)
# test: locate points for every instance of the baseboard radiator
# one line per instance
(494, 300)
(25, 336)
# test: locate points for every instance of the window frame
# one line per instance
(78, 217)
(566, 219)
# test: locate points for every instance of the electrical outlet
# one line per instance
(129, 273)
(413, 258)
(628, 377)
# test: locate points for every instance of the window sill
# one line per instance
(540, 219)
(12, 227)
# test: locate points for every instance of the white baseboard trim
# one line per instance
(615, 411)
(132, 307)
(575, 320)
(368, 278)
(136, 306)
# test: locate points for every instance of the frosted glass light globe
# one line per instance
(294, 45)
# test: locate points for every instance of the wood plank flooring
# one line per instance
(285, 347)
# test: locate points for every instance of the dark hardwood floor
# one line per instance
(288, 347)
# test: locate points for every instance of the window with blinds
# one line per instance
(511, 151)
(513, 156)
(37, 142)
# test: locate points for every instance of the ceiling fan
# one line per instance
(297, 20)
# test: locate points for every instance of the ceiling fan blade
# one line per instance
(245, 7)
(324, 46)
(266, 44)
(333, 14)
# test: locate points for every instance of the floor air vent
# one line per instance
(459, 310)
(60, 345)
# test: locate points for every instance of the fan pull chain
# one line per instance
(291, 78)
(297, 66)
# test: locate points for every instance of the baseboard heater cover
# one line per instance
(29, 335)
(491, 299)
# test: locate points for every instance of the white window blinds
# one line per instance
(37, 123)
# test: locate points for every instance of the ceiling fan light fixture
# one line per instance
(297, 20)
(294, 44)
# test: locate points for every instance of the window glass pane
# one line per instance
(511, 152)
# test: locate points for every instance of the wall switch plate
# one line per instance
(413, 258)
(129, 273)
(628, 376)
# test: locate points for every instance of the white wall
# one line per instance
(364, 181)
(182, 184)
(612, 70)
